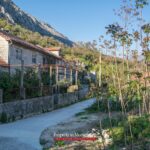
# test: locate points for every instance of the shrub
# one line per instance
(4, 118)
(59, 143)
(118, 134)
(114, 121)
(145, 133)
(103, 107)
(139, 126)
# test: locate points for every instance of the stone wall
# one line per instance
(26, 108)
(61, 100)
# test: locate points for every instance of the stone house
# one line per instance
(14, 52)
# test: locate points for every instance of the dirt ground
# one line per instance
(82, 124)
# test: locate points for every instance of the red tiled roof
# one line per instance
(19, 41)
(53, 49)
(16, 40)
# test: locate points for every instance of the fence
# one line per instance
(29, 81)
(10, 95)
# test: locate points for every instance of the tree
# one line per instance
(140, 4)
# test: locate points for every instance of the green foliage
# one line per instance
(93, 109)
(31, 83)
(85, 53)
(63, 82)
(118, 134)
(141, 3)
(27, 35)
(112, 92)
(3, 118)
(59, 143)
(80, 113)
(140, 127)
(8, 83)
(146, 28)
(103, 106)
(11, 84)
(114, 30)
(45, 78)
(30, 78)
(115, 121)
(145, 133)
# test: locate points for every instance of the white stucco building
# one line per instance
(14, 51)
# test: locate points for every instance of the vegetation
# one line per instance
(123, 84)
(11, 84)
(84, 52)
(27, 35)
(121, 61)
(136, 129)
(3, 118)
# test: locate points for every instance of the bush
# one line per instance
(59, 143)
(140, 127)
(114, 121)
(118, 134)
(4, 118)
(145, 133)
(103, 107)
(9, 85)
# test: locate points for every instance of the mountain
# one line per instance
(11, 12)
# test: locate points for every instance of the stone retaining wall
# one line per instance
(26, 108)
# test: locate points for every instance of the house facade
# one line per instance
(15, 52)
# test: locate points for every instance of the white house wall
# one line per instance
(4, 49)
(26, 56)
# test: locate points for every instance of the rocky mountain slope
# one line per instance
(14, 14)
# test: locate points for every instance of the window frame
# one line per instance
(18, 54)
(34, 58)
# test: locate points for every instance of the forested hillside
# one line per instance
(11, 12)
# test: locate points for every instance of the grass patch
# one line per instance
(114, 106)
(93, 108)
(84, 117)
(59, 143)
(80, 113)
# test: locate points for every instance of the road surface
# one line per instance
(24, 134)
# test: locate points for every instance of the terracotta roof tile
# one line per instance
(53, 49)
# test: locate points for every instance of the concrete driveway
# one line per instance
(24, 134)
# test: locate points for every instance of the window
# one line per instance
(44, 60)
(34, 58)
(18, 54)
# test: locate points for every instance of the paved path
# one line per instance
(24, 134)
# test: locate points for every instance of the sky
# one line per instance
(79, 20)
